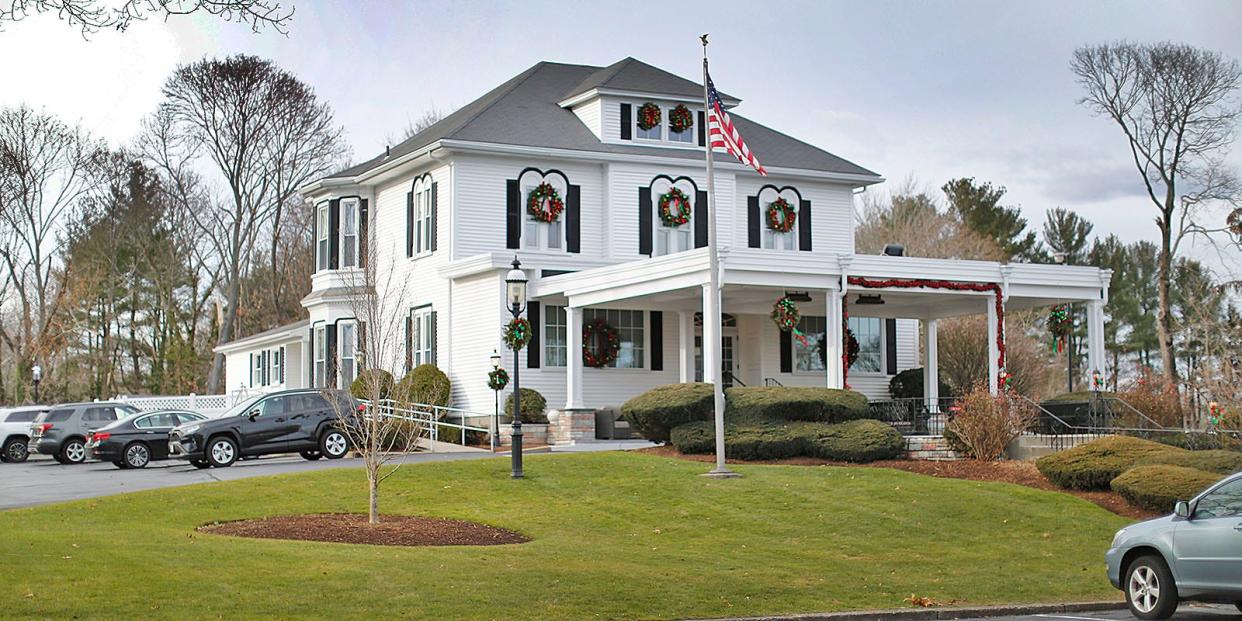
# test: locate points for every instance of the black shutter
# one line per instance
(360, 335)
(409, 343)
(532, 348)
(364, 229)
(282, 364)
(752, 221)
(657, 340)
(334, 234)
(627, 124)
(435, 214)
(315, 238)
(252, 384)
(786, 352)
(330, 375)
(265, 372)
(700, 219)
(513, 215)
(890, 346)
(702, 130)
(804, 226)
(644, 221)
(409, 224)
(431, 337)
(573, 219)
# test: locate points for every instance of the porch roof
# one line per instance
(751, 279)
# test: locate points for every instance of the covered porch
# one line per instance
(904, 295)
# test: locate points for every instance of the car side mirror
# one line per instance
(1181, 509)
(253, 415)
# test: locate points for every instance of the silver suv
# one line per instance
(61, 431)
(1194, 554)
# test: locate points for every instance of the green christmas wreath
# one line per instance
(781, 216)
(517, 333)
(599, 354)
(680, 119)
(674, 198)
(544, 203)
(648, 116)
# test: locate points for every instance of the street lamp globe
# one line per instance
(515, 282)
(495, 360)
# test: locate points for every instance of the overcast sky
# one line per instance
(931, 89)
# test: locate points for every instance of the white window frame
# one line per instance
(321, 355)
(806, 357)
(853, 322)
(537, 235)
(663, 236)
(322, 247)
(638, 349)
(347, 351)
(658, 129)
(257, 371)
(556, 337)
(349, 208)
(421, 347)
(276, 364)
(423, 210)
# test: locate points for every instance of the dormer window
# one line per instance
(653, 122)
(648, 125)
(681, 124)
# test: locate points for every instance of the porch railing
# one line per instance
(915, 416)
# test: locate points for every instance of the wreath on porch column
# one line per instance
(600, 343)
(497, 379)
(781, 216)
(544, 203)
(517, 333)
(674, 198)
(786, 317)
(1059, 324)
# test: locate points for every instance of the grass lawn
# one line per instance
(614, 536)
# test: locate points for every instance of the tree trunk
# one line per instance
(1164, 314)
(373, 515)
(227, 327)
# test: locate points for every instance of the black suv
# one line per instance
(290, 421)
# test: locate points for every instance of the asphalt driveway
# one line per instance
(1188, 611)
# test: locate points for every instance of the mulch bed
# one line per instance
(1016, 472)
(393, 530)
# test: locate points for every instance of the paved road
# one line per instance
(1189, 611)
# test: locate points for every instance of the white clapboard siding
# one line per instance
(476, 326)
(832, 212)
(589, 113)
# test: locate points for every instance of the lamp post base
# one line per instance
(721, 473)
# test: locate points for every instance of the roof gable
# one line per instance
(633, 75)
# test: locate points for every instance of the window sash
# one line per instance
(806, 357)
(349, 233)
(538, 235)
(321, 355)
(869, 331)
(631, 332)
(420, 336)
(556, 337)
(322, 234)
(346, 347)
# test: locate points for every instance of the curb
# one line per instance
(936, 614)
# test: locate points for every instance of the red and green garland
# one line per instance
(648, 116)
(680, 119)
(781, 216)
(595, 353)
(1059, 324)
(517, 333)
(497, 379)
(544, 203)
(674, 198)
(786, 317)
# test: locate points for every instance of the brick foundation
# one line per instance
(532, 435)
(571, 426)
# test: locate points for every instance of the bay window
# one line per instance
(321, 356)
(321, 235)
(349, 232)
(347, 340)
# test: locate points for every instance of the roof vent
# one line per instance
(894, 250)
(387, 150)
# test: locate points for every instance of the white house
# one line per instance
(449, 208)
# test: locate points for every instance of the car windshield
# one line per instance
(243, 407)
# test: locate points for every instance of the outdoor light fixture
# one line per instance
(496, 399)
(869, 298)
(36, 376)
(515, 289)
(894, 250)
(495, 360)
(1059, 256)
(798, 296)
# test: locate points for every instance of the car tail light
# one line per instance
(362, 408)
(44, 427)
(101, 436)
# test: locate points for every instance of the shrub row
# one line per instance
(1092, 466)
(1158, 487)
(854, 441)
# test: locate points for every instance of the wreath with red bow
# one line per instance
(674, 197)
(648, 116)
(600, 344)
(544, 203)
(517, 333)
(680, 119)
(781, 216)
(1059, 324)
(786, 316)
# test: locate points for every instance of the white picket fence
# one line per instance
(210, 405)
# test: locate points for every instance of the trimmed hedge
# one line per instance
(533, 407)
(793, 403)
(427, 385)
(1092, 466)
(1219, 462)
(908, 384)
(1083, 396)
(855, 441)
(1194, 441)
(1158, 487)
(359, 388)
(656, 412)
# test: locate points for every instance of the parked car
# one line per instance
(15, 431)
(138, 439)
(61, 431)
(290, 421)
(1194, 554)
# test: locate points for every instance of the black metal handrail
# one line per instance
(913, 416)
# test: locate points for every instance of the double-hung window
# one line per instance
(671, 239)
(321, 356)
(349, 232)
(629, 327)
(347, 339)
(688, 136)
(811, 356)
(258, 370)
(555, 342)
(537, 234)
(869, 331)
(778, 240)
(422, 336)
(321, 235)
(423, 221)
(278, 360)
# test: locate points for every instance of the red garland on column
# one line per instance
(845, 342)
(917, 283)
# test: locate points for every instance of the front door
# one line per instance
(728, 357)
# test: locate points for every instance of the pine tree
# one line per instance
(978, 205)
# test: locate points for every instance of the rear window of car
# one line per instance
(26, 416)
(59, 416)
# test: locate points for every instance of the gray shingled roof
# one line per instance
(524, 111)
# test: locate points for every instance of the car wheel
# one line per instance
(310, 455)
(137, 455)
(16, 451)
(200, 463)
(334, 444)
(73, 451)
(1238, 605)
(221, 451)
(120, 464)
(1149, 589)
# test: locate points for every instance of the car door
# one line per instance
(97, 416)
(153, 429)
(268, 432)
(1207, 547)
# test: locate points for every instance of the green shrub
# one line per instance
(1219, 462)
(533, 407)
(826, 405)
(908, 384)
(1196, 441)
(656, 412)
(695, 437)
(1082, 396)
(362, 385)
(856, 441)
(1158, 487)
(427, 385)
(1092, 466)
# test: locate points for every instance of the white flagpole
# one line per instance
(712, 328)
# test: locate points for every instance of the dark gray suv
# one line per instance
(61, 431)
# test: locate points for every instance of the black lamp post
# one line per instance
(515, 293)
(36, 376)
(496, 394)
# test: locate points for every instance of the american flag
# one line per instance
(722, 133)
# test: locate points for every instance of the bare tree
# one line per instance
(45, 168)
(386, 430)
(1176, 106)
(910, 216)
(265, 133)
(95, 15)
(429, 117)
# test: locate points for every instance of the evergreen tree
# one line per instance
(978, 205)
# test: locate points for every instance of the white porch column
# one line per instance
(1097, 360)
(573, 358)
(711, 338)
(833, 339)
(931, 371)
(993, 352)
(685, 325)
